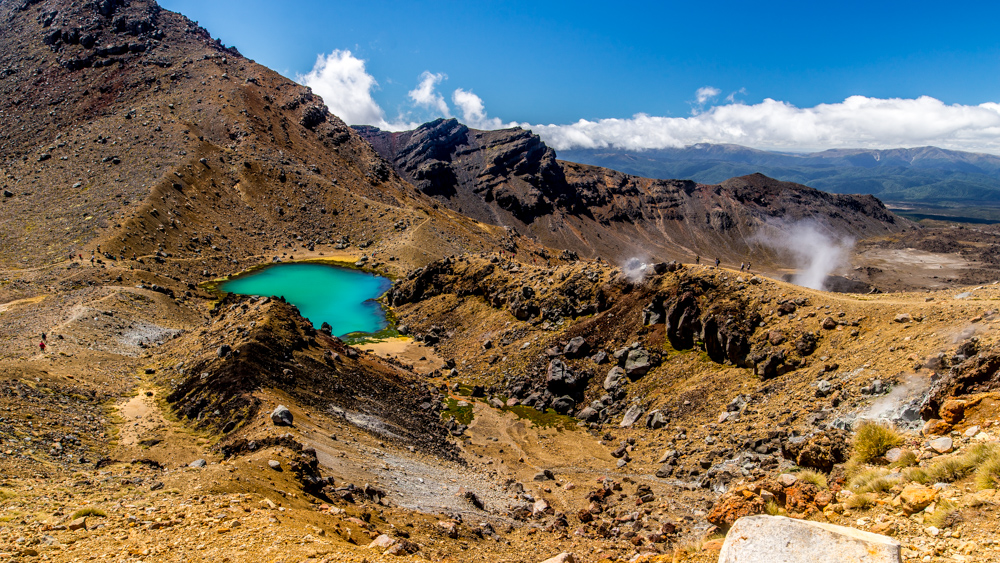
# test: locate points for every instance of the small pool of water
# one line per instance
(343, 297)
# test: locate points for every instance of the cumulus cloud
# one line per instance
(857, 122)
(425, 94)
(706, 93)
(341, 80)
(474, 111)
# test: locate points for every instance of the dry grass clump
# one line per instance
(988, 473)
(873, 481)
(772, 509)
(950, 469)
(89, 511)
(917, 475)
(945, 514)
(813, 477)
(873, 439)
(862, 501)
(908, 459)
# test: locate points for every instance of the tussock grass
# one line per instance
(908, 459)
(950, 469)
(945, 514)
(862, 501)
(873, 481)
(917, 475)
(988, 474)
(772, 509)
(873, 439)
(89, 511)
(813, 477)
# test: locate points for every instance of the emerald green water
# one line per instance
(343, 297)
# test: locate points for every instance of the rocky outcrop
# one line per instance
(766, 539)
(975, 372)
(510, 177)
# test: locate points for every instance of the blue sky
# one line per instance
(555, 63)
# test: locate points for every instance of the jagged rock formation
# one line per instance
(510, 177)
(216, 382)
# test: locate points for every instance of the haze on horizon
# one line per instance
(784, 76)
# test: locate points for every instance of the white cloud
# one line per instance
(857, 122)
(474, 111)
(706, 93)
(346, 87)
(731, 98)
(426, 95)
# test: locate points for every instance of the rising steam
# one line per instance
(815, 250)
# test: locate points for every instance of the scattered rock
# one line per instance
(916, 497)
(281, 416)
(637, 363)
(614, 379)
(903, 318)
(198, 463)
(631, 415)
(941, 445)
(78, 524)
(274, 464)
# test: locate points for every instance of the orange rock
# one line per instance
(713, 545)
(952, 411)
(936, 427)
(734, 507)
(916, 497)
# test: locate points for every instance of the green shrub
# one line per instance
(873, 439)
(772, 509)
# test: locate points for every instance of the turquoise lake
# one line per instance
(343, 297)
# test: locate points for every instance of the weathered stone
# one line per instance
(576, 347)
(656, 420)
(563, 405)
(281, 416)
(274, 464)
(615, 378)
(916, 497)
(935, 427)
(828, 323)
(540, 507)
(382, 542)
(78, 524)
(941, 445)
(952, 411)
(637, 363)
(769, 539)
(631, 415)
(198, 463)
(903, 318)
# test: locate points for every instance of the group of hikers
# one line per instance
(744, 266)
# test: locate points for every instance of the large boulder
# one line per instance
(576, 347)
(559, 378)
(773, 539)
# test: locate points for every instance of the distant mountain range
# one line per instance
(922, 175)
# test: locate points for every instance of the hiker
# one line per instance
(43, 338)
(741, 266)
(716, 262)
(697, 259)
(41, 346)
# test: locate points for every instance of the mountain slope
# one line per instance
(922, 174)
(509, 177)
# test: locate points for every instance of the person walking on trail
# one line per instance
(697, 259)
(41, 345)
(43, 338)
(716, 262)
